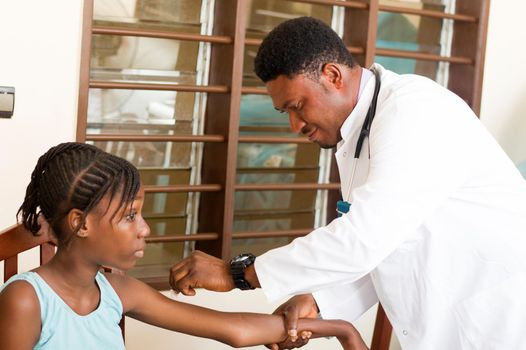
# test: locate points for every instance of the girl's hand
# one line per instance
(351, 339)
(289, 344)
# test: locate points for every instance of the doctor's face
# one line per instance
(314, 108)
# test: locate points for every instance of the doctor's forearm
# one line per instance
(252, 277)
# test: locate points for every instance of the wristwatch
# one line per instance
(238, 265)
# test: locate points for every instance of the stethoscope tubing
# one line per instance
(364, 132)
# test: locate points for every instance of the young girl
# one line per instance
(92, 201)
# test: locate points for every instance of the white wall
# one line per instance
(40, 56)
(503, 108)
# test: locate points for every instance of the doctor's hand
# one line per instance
(299, 306)
(201, 270)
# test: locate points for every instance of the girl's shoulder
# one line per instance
(20, 305)
(19, 292)
(117, 281)
(124, 286)
(132, 292)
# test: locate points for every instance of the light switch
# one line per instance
(7, 101)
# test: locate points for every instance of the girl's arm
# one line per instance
(19, 317)
(236, 329)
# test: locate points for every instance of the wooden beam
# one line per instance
(382, 331)
(85, 58)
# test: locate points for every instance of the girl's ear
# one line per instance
(74, 222)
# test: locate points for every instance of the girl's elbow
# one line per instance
(237, 340)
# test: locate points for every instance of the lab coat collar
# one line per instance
(355, 120)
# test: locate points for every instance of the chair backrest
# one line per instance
(16, 240)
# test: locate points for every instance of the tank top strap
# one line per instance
(109, 297)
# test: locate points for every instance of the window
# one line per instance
(169, 85)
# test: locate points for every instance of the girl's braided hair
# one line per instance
(75, 175)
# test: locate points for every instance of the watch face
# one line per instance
(241, 258)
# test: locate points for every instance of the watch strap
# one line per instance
(238, 266)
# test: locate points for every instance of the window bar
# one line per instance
(350, 4)
(196, 156)
(210, 236)
(267, 234)
(155, 138)
(84, 77)
(422, 56)
(233, 127)
(99, 84)
(256, 42)
(161, 34)
(287, 187)
(480, 53)
(280, 170)
(370, 45)
(272, 139)
(219, 161)
(254, 91)
(183, 188)
(427, 13)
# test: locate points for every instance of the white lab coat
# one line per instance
(436, 230)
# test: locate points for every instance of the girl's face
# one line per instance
(117, 233)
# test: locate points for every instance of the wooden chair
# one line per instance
(382, 331)
(17, 239)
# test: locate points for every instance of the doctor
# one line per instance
(436, 229)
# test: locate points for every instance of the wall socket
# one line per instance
(7, 101)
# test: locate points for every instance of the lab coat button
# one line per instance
(345, 154)
(404, 332)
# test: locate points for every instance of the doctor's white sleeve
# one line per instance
(417, 160)
(348, 301)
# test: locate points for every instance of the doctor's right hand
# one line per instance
(299, 306)
(201, 270)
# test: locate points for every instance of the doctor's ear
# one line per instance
(75, 222)
(332, 74)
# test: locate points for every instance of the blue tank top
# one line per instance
(63, 328)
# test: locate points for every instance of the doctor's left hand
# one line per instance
(201, 270)
(299, 306)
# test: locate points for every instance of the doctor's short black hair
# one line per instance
(300, 46)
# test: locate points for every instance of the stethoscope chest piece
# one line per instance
(342, 207)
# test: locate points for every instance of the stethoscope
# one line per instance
(342, 206)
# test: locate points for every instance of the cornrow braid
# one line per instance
(75, 175)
